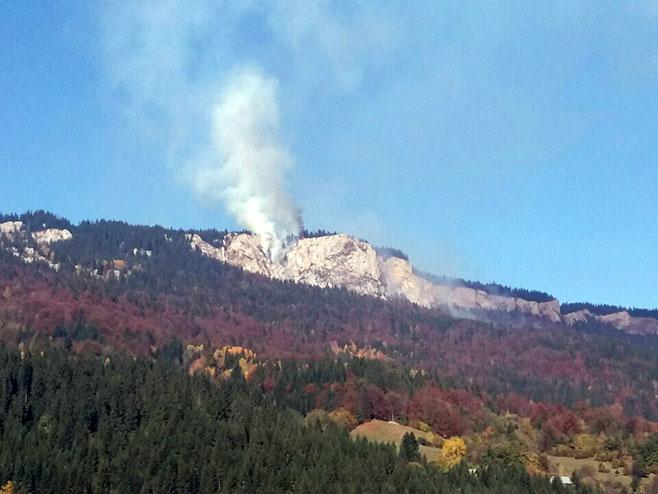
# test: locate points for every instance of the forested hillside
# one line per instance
(86, 424)
(517, 394)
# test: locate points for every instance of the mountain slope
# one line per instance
(343, 261)
(337, 260)
(300, 332)
(136, 288)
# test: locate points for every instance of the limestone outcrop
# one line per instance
(37, 251)
(51, 235)
(343, 261)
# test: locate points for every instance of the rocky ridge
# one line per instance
(343, 261)
(335, 261)
(338, 261)
(631, 324)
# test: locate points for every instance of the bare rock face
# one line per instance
(51, 235)
(205, 248)
(245, 251)
(44, 239)
(631, 324)
(578, 316)
(621, 320)
(618, 319)
(551, 309)
(334, 261)
(11, 229)
(400, 281)
(343, 261)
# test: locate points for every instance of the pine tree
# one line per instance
(409, 449)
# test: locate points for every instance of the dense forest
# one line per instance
(177, 293)
(518, 394)
(76, 423)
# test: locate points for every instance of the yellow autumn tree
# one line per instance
(8, 488)
(452, 452)
(343, 418)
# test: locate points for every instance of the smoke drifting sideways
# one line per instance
(248, 173)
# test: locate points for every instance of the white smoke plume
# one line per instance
(249, 174)
(166, 59)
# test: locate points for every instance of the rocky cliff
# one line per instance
(333, 261)
(11, 229)
(400, 280)
(343, 261)
(38, 250)
(620, 320)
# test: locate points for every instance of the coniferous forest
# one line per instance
(80, 423)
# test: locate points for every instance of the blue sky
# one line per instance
(506, 141)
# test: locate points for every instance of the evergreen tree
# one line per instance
(409, 449)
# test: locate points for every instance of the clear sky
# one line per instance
(499, 141)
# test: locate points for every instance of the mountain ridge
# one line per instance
(393, 276)
(337, 260)
(144, 290)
